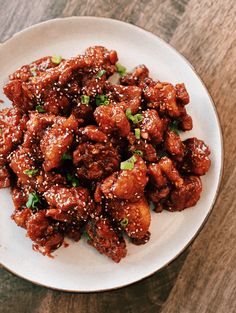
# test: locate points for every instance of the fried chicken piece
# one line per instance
(4, 177)
(45, 180)
(102, 58)
(106, 239)
(12, 126)
(57, 141)
(95, 160)
(133, 217)
(196, 159)
(174, 145)
(112, 120)
(182, 95)
(75, 201)
(124, 96)
(151, 126)
(185, 196)
(126, 184)
(22, 161)
(46, 238)
(93, 133)
(21, 217)
(134, 78)
(19, 197)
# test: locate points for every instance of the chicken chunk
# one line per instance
(125, 96)
(57, 141)
(4, 177)
(94, 161)
(112, 120)
(152, 127)
(133, 217)
(75, 200)
(185, 196)
(196, 159)
(106, 239)
(126, 184)
(174, 145)
(134, 78)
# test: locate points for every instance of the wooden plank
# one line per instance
(207, 281)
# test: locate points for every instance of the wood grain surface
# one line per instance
(203, 278)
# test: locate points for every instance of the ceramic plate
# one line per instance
(79, 267)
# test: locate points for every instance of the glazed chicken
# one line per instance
(85, 157)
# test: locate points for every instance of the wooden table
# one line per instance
(203, 278)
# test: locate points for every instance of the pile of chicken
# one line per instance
(86, 157)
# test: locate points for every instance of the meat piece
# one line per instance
(57, 141)
(125, 96)
(157, 178)
(134, 78)
(12, 125)
(33, 69)
(151, 126)
(39, 230)
(95, 161)
(46, 180)
(4, 177)
(196, 159)
(168, 168)
(21, 217)
(76, 200)
(102, 58)
(174, 145)
(107, 240)
(19, 197)
(147, 150)
(161, 96)
(187, 195)
(92, 132)
(22, 160)
(35, 130)
(186, 122)
(126, 184)
(83, 112)
(112, 120)
(181, 94)
(133, 217)
(92, 85)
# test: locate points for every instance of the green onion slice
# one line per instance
(137, 118)
(128, 164)
(31, 172)
(56, 59)
(100, 73)
(124, 222)
(174, 127)
(137, 133)
(101, 100)
(138, 152)
(66, 156)
(120, 69)
(33, 199)
(85, 99)
(40, 109)
(74, 180)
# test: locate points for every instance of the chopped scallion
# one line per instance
(128, 164)
(85, 99)
(138, 152)
(174, 127)
(56, 59)
(33, 199)
(66, 156)
(120, 69)
(101, 100)
(124, 222)
(137, 133)
(33, 71)
(31, 172)
(74, 180)
(137, 118)
(40, 109)
(100, 73)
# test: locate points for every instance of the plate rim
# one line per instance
(218, 121)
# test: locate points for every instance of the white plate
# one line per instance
(79, 267)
